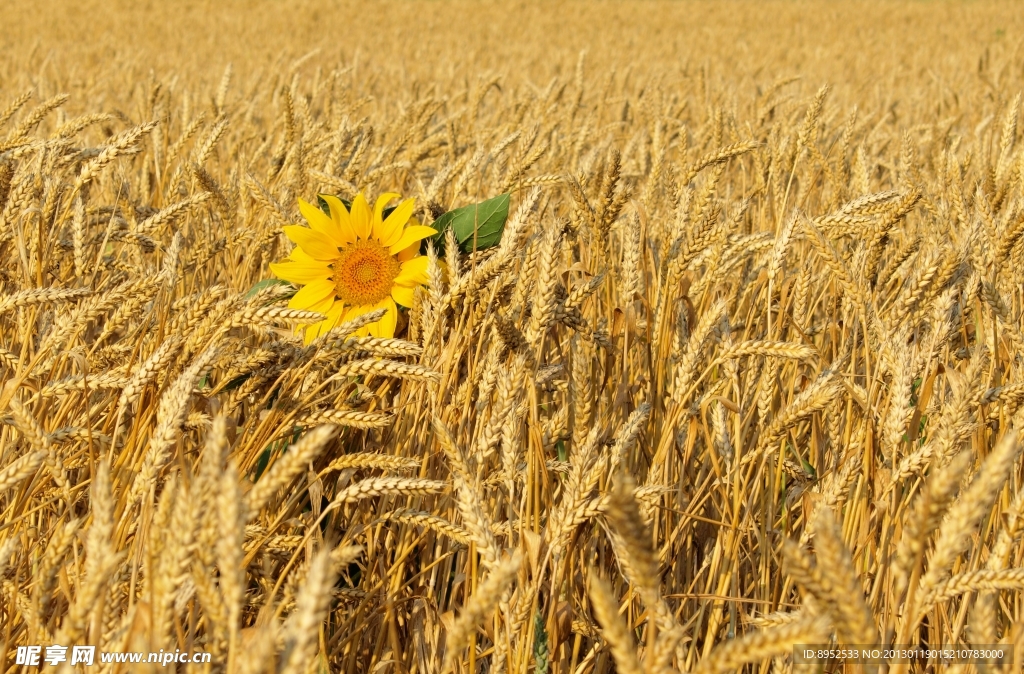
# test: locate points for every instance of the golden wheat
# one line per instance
(744, 371)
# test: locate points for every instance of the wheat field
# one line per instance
(745, 371)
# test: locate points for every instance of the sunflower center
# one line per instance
(364, 272)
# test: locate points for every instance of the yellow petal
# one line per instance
(391, 229)
(312, 295)
(299, 272)
(360, 217)
(414, 272)
(334, 314)
(390, 320)
(324, 305)
(355, 312)
(317, 245)
(378, 206)
(299, 255)
(404, 295)
(407, 254)
(323, 327)
(385, 327)
(320, 222)
(341, 218)
(411, 235)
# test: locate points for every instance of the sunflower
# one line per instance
(354, 262)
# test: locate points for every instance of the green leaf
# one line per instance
(808, 468)
(481, 224)
(266, 283)
(237, 381)
(262, 462)
(540, 644)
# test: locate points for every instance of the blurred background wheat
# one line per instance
(744, 371)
